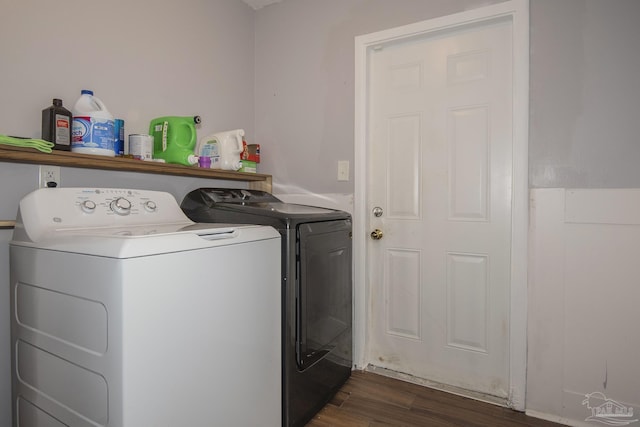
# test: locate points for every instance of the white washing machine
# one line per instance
(126, 313)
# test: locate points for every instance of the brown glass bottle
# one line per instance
(56, 125)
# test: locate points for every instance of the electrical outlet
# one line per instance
(343, 170)
(49, 176)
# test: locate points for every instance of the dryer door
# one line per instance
(324, 289)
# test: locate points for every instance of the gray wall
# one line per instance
(585, 96)
(304, 99)
(143, 58)
(292, 64)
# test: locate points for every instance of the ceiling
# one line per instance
(258, 4)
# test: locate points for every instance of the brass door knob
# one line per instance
(376, 234)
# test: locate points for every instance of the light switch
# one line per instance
(343, 170)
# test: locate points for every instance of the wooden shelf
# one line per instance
(7, 224)
(87, 161)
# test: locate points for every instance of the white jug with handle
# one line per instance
(223, 148)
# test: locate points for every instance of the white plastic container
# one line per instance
(93, 126)
(141, 146)
(223, 148)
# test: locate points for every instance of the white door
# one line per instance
(441, 137)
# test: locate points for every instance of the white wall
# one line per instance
(583, 301)
(584, 127)
(144, 59)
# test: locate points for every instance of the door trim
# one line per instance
(518, 12)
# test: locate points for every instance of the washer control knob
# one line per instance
(121, 206)
(150, 206)
(88, 206)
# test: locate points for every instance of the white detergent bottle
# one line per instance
(93, 130)
(223, 148)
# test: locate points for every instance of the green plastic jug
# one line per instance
(174, 139)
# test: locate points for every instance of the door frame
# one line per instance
(518, 12)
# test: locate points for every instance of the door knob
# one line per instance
(376, 234)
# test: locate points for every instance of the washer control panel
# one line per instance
(79, 208)
(116, 202)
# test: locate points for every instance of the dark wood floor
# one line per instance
(373, 400)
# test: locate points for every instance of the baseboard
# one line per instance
(554, 418)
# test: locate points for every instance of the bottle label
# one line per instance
(63, 130)
(210, 150)
(118, 132)
(91, 132)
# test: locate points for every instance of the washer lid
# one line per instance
(201, 205)
(234, 195)
(279, 207)
(146, 240)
